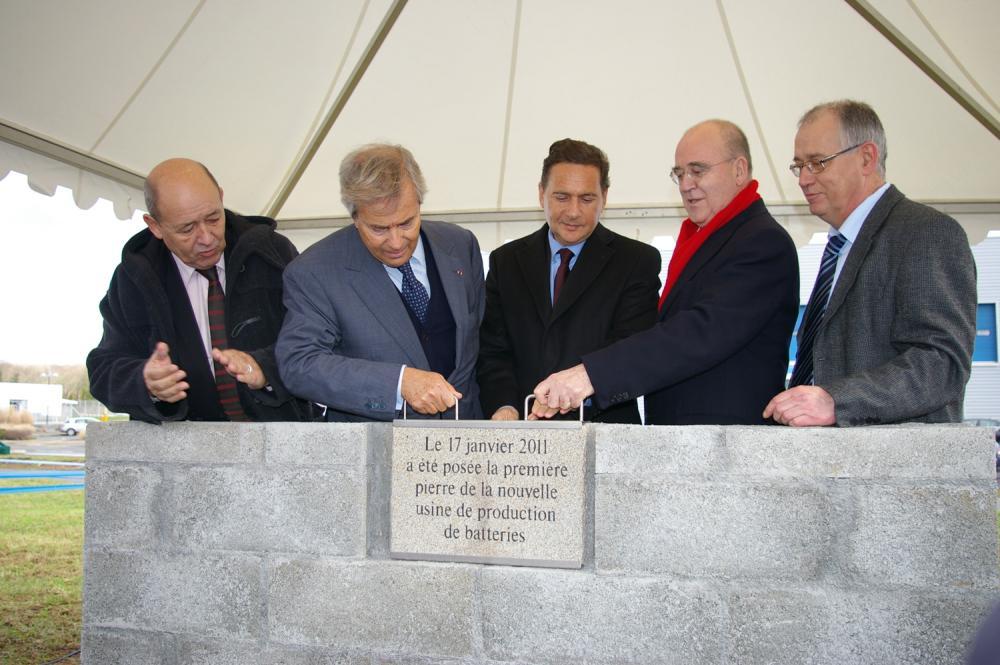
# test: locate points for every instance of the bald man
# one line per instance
(720, 342)
(194, 309)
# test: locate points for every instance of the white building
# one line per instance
(44, 401)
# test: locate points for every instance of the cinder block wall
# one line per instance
(267, 544)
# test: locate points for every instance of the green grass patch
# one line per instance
(41, 574)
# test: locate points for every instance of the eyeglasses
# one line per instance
(696, 171)
(818, 165)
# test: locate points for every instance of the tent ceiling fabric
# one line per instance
(478, 89)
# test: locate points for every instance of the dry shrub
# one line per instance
(24, 418)
(18, 432)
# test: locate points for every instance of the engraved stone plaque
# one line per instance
(508, 493)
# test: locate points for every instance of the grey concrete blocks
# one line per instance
(121, 503)
(541, 616)
(914, 451)
(317, 444)
(927, 535)
(207, 594)
(722, 529)
(224, 443)
(294, 509)
(634, 449)
(108, 646)
(203, 652)
(421, 608)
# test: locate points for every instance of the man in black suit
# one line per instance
(570, 288)
(719, 347)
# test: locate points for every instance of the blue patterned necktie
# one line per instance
(803, 373)
(414, 293)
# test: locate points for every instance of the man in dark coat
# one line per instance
(606, 291)
(888, 334)
(194, 309)
(719, 347)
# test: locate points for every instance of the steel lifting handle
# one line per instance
(404, 409)
(527, 400)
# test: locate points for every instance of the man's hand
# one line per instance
(428, 392)
(164, 380)
(506, 413)
(561, 393)
(802, 406)
(241, 366)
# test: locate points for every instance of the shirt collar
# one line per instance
(187, 272)
(555, 245)
(852, 225)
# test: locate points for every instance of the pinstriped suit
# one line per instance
(896, 341)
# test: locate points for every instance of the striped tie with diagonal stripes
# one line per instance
(225, 383)
(803, 373)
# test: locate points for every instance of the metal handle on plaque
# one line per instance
(456, 409)
(530, 397)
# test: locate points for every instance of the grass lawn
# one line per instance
(41, 573)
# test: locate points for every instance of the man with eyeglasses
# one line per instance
(888, 332)
(386, 310)
(719, 348)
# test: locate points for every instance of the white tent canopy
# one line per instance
(96, 93)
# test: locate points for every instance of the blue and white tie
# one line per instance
(803, 372)
(414, 293)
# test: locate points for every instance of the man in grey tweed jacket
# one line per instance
(895, 341)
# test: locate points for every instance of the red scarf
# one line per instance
(691, 238)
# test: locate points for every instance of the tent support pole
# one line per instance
(920, 59)
(338, 105)
(61, 153)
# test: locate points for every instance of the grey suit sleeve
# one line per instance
(933, 327)
(309, 358)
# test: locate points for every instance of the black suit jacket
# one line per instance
(610, 294)
(719, 350)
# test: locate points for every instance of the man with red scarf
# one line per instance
(719, 348)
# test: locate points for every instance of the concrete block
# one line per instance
(546, 616)
(914, 451)
(783, 626)
(930, 536)
(203, 652)
(212, 594)
(124, 647)
(121, 506)
(905, 628)
(317, 444)
(226, 443)
(420, 608)
(635, 449)
(286, 509)
(769, 530)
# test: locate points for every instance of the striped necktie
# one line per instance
(225, 383)
(803, 372)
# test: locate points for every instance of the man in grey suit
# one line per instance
(384, 310)
(887, 336)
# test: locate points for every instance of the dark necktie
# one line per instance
(414, 293)
(225, 383)
(562, 271)
(803, 372)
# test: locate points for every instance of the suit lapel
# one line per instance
(593, 257)
(860, 248)
(705, 254)
(451, 272)
(533, 259)
(376, 291)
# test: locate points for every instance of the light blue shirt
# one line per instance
(554, 247)
(418, 262)
(850, 230)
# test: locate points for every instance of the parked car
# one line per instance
(74, 426)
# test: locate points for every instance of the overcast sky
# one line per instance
(55, 264)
